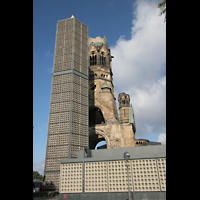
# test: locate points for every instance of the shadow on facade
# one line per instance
(49, 186)
(95, 114)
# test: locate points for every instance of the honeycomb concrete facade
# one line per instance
(104, 172)
(68, 116)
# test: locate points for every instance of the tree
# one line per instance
(36, 175)
(162, 6)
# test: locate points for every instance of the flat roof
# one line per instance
(138, 152)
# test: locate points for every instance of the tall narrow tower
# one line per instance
(68, 115)
(104, 123)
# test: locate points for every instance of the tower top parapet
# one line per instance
(124, 100)
(98, 41)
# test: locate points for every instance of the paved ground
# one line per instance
(46, 195)
(45, 198)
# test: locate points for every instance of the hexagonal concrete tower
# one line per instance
(68, 114)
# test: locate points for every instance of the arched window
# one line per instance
(93, 60)
(102, 60)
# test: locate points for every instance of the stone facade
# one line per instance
(104, 123)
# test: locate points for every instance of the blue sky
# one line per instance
(136, 36)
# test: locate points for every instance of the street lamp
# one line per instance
(127, 157)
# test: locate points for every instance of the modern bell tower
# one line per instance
(68, 115)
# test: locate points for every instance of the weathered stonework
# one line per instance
(104, 123)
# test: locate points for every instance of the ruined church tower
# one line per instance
(104, 123)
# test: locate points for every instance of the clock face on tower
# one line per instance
(93, 86)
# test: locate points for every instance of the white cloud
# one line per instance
(139, 68)
(150, 108)
(162, 138)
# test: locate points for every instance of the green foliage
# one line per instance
(162, 6)
(36, 175)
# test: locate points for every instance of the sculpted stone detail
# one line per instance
(96, 135)
(124, 100)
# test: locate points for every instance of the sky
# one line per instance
(136, 36)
